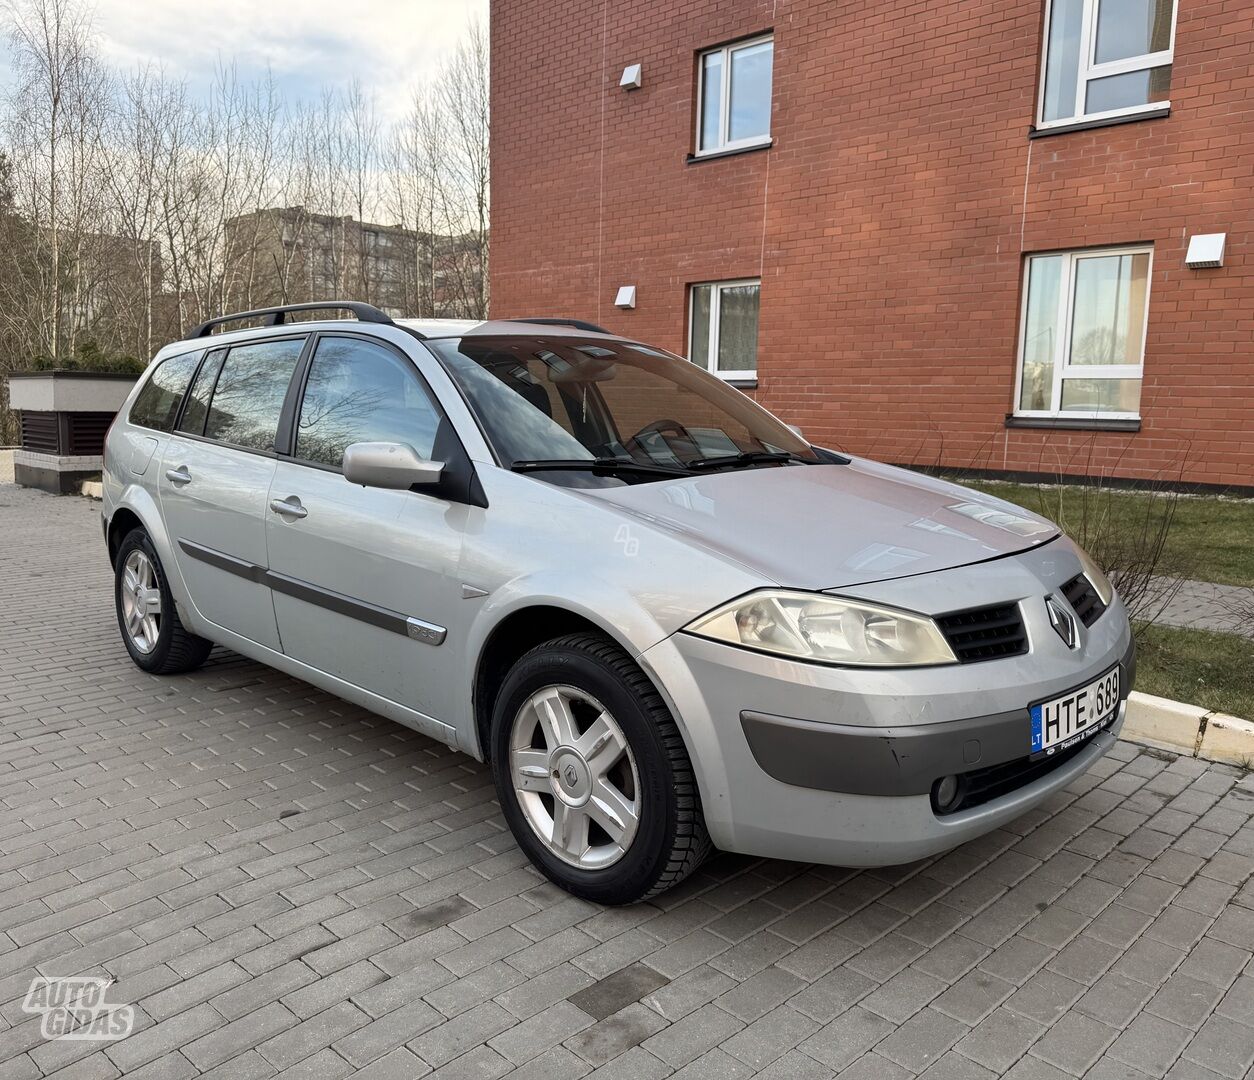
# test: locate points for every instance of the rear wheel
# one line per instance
(151, 630)
(592, 773)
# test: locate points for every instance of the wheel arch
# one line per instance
(136, 508)
(124, 520)
(514, 635)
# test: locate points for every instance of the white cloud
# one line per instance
(388, 44)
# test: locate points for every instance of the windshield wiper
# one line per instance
(597, 465)
(750, 457)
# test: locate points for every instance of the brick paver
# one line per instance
(1203, 605)
(284, 885)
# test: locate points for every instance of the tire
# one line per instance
(163, 646)
(540, 775)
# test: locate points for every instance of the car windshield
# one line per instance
(595, 412)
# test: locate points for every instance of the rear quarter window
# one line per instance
(157, 404)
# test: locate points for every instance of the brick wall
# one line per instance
(889, 220)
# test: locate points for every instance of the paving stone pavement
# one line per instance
(284, 885)
(1203, 605)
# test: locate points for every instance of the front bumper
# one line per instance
(812, 763)
(899, 760)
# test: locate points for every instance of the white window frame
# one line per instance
(716, 324)
(1062, 346)
(1089, 70)
(724, 145)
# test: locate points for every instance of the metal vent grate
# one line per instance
(1083, 599)
(40, 432)
(86, 432)
(986, 633)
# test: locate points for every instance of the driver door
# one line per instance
(365, 580)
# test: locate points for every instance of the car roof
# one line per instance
(425, 328)
(445, 328)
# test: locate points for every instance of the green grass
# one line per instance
(1214, 671)
(1211, 538)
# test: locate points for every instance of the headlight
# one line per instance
(833, 631)
(1099, 581)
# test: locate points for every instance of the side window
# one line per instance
(249, 394)
(734, 96)
(197, 409)
(361, 392)
(1106, 58)
(723, 328)
(1082, 339)
(157, 403)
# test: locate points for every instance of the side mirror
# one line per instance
(388, 465)
(796, 431)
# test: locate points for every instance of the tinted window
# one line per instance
(158, 402)
(197, 407)
(359, 392)
(249, 395)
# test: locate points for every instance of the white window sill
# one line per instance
(1063, 422)
(730, 151)
(1157, 111)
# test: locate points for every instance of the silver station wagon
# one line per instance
(668, 621)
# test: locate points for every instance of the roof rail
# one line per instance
(578, 324)
(277, 316)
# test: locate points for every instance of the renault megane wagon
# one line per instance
(668, 621)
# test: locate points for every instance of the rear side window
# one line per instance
(361, 392)
(197, 408)
(157, 404)
(248, 398)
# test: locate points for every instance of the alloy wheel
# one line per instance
(575, 777)
(141, 601)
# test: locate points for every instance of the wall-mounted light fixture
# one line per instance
(1205, 250)
(631, 79)
(626, 297)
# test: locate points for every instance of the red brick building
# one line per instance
(959, 229)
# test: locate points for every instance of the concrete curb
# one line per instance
(1189, 729)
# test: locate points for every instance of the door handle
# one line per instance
(289, 507)
(179, 475)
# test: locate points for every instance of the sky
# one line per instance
(307, 44)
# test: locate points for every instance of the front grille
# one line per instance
(1083, 599)
(981, 786)
(985, 633)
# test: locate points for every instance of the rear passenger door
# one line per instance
(215, 481)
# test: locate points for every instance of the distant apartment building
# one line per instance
(289, 254)
(1005, 235)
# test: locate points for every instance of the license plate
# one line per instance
(1064, 721)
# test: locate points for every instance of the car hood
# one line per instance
(833, 526)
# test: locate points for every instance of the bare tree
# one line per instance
(54, 125)
(131, 207)
(461, 100)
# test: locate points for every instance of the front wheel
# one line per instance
(151, 629)
(592, 773)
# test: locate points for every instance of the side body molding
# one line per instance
(384, 618)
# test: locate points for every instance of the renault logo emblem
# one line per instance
(572, 777)
(1063, 623)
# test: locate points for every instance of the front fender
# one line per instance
(632, 626)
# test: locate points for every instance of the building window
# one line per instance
(1082, 340)
(1105, 58)
(734, 96)
(723, 328)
